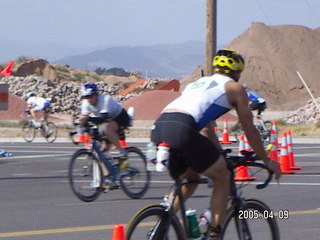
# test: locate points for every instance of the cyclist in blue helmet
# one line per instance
(114, 116)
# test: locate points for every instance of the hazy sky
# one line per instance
(92, 23)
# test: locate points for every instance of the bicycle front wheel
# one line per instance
(135, 178)
(51, 133)
(28, 132)
(150, 223)
(254, 221)
(85, 175)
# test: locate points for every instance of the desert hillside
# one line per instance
(273, 55)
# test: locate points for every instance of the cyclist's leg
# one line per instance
(111, 129)
(187, 190)
(220, 175)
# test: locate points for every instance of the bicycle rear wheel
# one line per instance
(149, 223)
(28, 132)
(51, 133)
(135, 178)
(252, 222)
(85, 175)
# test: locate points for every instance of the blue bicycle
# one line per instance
(91, 172)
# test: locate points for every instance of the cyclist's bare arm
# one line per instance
(238, 98)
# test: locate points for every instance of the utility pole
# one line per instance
(211, 35)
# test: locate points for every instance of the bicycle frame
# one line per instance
(95, 146)
(235, 198)
(170, 211)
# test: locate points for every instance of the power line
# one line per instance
(313, 12)
(263, 13)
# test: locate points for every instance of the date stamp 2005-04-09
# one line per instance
(266, 214)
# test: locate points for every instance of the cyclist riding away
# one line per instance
(186, 124)
(39, 108)
(256, 101)
(113, 115)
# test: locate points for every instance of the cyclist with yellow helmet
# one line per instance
(187, 125)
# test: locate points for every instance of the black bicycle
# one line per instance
(88, 168)
(246, 219)
(263, 126)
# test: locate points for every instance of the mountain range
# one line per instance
(162, 60)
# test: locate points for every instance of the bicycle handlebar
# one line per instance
(248, 159)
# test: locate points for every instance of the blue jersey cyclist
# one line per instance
(257, 102)
(187, 125)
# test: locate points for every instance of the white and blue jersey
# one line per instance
(205, 100)
(255, 97)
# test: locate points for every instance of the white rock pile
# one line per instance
(307, 114)
(65, 95)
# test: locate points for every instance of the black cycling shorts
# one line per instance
(258, 106)
(189, 148)
(122, 119)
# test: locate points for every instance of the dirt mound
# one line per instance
(37, 67)
(149, 105)
(273, 55)
(15, 107)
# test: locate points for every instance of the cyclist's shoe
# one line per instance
(123, 160)
(123, 164)
(214, 233)
(114, 185)
(109, 185)
(36, 124)
(49, 134)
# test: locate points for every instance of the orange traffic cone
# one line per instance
(87, 141)
(241, 145)
(284, 158)
(273, 155)
(290, 151)
(216, 131)
(275, 132)
(118, 232)
(123, 143)
(242, 172)
(225, 136)
(247, 145)
(82, 138)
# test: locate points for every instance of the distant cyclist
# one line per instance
(39, 107)
(113, 115)
(256, 101)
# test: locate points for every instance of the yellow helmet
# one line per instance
(227, 60)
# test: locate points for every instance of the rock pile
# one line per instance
(65, 96)
(305, 115)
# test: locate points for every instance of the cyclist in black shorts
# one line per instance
(256, 101)
(111, 111)
(187, 125)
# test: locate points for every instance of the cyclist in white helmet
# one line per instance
(39, 107)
